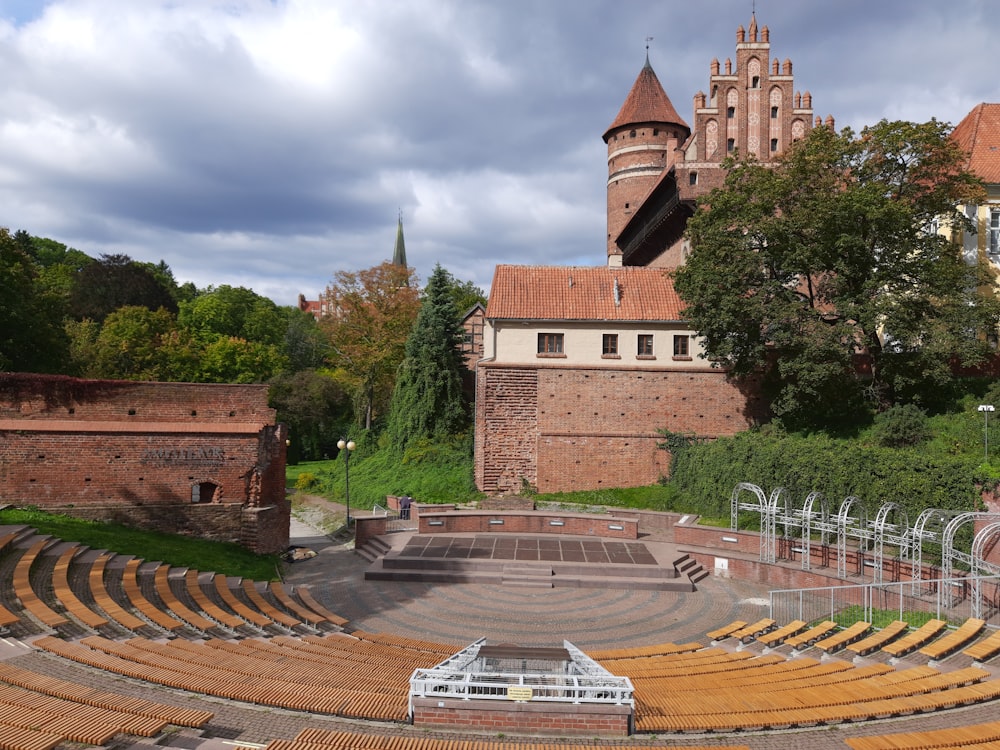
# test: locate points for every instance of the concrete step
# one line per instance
(373, 549)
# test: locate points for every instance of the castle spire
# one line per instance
(399, 251)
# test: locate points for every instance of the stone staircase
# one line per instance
(528, 576)
(374, 549)
(685, 565)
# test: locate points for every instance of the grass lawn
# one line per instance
(181, 551)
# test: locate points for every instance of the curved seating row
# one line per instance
(932, 639)
(972, 737)
(119, 595)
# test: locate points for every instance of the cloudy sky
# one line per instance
(270, 144)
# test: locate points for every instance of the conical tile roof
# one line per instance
(646, 102)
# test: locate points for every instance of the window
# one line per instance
(995, 231)
(550, 343)
(755, 82)
(730, 113)
(681, 349)
(774, 113)
(631, 134)
(645, 345)
(774, 145)
(692, 178)
(730, 145)
(609, 345)
(656, 131)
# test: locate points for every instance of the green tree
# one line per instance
(828, 264)
(316, 409)
(229, 359)
(115, 281)
(233, 312)
(133, 343)
(371, 314)
(304, 345)
(428, 401)
(31, 335)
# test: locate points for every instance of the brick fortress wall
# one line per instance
(572, 428)
(134, 452)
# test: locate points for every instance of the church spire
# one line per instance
(399, 252)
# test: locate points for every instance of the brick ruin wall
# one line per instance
(562, 429)
(132, 452)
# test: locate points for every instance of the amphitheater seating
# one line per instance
(971, 736)
(955, 640)
(106, 602)
(176, 607)
(7, 617)
(880, 638)
(915, 639)
(310, 601)
(26, 594)
(810, 636)
(726, 630)
(751, 631)
(67, 597)
(323, 739)
(775, 637)
(266, 608)
(985, 649)
(192, 584)
(305, 614)
(338, 674)
(149, 610)
(236, 604)
(844, 637)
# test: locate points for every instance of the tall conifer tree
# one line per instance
(428, 401)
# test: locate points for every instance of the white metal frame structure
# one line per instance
(467, 676)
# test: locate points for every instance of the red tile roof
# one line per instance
(979, 134)
(581, 293)
(646, 102)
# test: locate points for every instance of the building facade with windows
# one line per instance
(581, 368)
(979, 136)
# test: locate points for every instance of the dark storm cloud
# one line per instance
(271, 144)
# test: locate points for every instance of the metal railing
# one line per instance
(953, 599)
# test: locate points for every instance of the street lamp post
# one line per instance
(986, 409)
(347, 446)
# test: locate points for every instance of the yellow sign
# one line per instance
(519, 693)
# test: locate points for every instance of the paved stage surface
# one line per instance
(461, 613)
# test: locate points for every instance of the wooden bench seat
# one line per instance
(7, 617)
(266, 608)
(237, 605)
(954, 640)
(810, 636)
(133, 589)
(192, 581)
(748, 632)
(175, 607)
(65, 594)
(974, 735)
(107, 603)
(986, 648)
(284, 597)
(726, 630)
(26, 594)
(844, 637)
(179, 716)
(16, 738)
(307, 598)
(878, 639)
(915, 639)
(775, 637)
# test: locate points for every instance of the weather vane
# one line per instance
(648, 40)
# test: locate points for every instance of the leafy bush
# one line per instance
(306, 481)
(901, 427)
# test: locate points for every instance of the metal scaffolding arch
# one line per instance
(979, 565)
(922, 534)
(894, 533)
(810, 523)
(762, 506)
(845, 523)
(948, 552)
